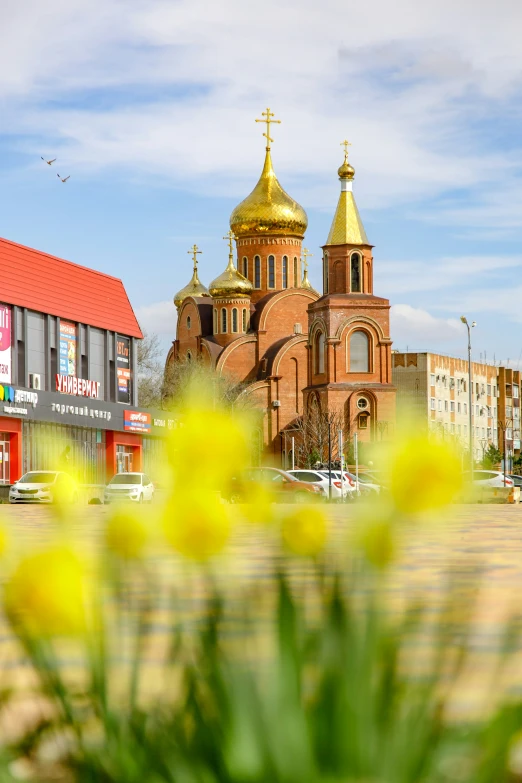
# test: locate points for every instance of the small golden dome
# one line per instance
(230, 283)
(268, 210)
(346, 171)
(305, 282)
(194, 288)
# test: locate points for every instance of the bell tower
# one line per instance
(349, 345)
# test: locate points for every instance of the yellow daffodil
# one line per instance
(377, 540)
(46, 593)
(305, 531)
(126, 533)
(424, 475)
(209, 445)
(197, 526)
(4, 540)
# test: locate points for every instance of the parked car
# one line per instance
(282, 486)
(136, 487)
(320, 477)
(517, 480)
(365, 485)
(489, 478)
(44, 486)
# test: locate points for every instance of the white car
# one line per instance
(44, 486)
(366, 487)
(129, 486)
(489, 478)
(320, 477)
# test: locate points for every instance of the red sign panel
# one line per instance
(136, 421)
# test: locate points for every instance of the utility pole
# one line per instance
(470, 396)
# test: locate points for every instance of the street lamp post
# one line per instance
(470, 395)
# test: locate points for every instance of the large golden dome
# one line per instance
(230, 283)
(268, 210)
(194, 288)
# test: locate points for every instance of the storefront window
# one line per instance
(79, 451)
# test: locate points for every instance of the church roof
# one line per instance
(347, 227)
(268, 210)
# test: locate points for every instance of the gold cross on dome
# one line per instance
(346, 144)
(268, 121)
(230, 238)
(194, 251)
(306, 256)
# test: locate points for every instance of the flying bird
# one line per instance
(49, 162)
(63, 179)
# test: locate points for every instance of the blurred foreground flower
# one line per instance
(198, 527)
(46, 594)
(210, 445)
(126, 533)
(304, 531)
(424, 475)
(377, 540)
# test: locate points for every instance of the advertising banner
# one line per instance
(5, 344)
(123, 370)
(136, 421)
(68, 344)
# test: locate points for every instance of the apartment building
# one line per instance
(509, 413)
(434, 388)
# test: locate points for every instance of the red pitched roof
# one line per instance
(38, 281)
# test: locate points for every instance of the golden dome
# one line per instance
(230, 283)
(268, 210)
(194, 288)
(346, 171)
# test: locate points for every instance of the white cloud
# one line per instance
(402, 80)
(419, 329)
(159, 318)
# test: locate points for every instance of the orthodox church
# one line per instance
(262, 323)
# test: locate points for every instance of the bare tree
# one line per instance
(150, 371)
(311, 435)
(185, 379)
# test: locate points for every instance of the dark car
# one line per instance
(282, 487)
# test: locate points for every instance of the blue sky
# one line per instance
(149, 105)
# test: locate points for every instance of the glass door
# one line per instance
(124, 459)
(4, 461)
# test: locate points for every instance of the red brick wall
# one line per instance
(249, 247)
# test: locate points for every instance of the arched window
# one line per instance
(188, 322)
(359, 352)
(245, 267)
(271, 272)
(296, 273)
(224, 321)
(215, 321)
(339, 278)
(325, 274)
(257, 272)
(189, 356)
(319, 353)
(285, 271)
(244, 320)
(355, 264)
(234, 319)
(297, 390)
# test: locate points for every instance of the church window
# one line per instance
(296, 273)
(297, 391)
(257, 272)
(271, 272)
(325, 274)
(362, 403)
(359, 352)
(285, 271)
(245, 267)
(244, 320)
(188, 322)
(319, 353)
(223, 321)
(363, 421)
(234, 319)
(215, 321)
(189, 356)
(355, 263)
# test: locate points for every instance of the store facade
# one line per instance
(68, 375)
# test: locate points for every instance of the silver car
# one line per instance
(44, 486)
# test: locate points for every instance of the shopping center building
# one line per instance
(68, 374)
